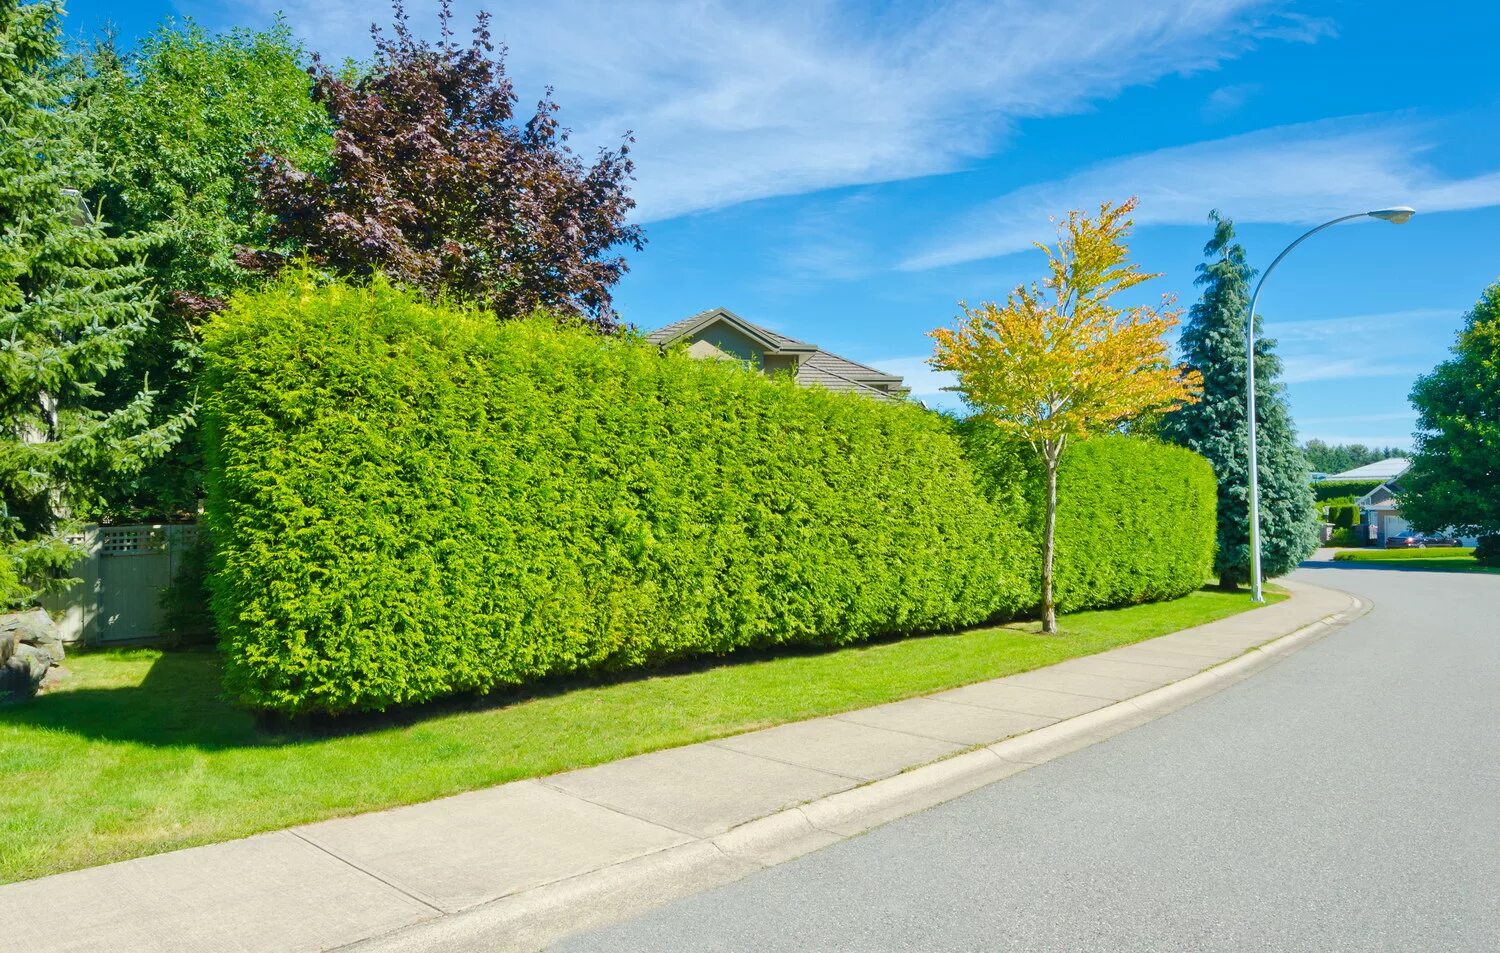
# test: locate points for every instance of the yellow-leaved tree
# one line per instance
(1059, 361)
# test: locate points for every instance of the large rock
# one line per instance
(30, 647)
(33, 627)
(23, 672)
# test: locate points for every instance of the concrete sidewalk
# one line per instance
(519, 864)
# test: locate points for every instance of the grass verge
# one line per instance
(1398, 555)
(1454, 559)
(136, 753)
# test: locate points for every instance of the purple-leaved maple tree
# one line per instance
(435, 182)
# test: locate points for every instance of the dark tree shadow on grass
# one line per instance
(177, 704)
(180, 702)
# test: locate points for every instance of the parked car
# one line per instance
(1410, 540)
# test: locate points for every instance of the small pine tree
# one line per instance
(72, 303)
(1213, 343)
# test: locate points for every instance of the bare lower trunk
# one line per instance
(1227, 581)
(1049, 606)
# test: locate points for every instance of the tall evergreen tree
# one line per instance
(72, 304)
(177, 118)
(1213, 343)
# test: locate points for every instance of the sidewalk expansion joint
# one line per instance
(792, 764)
(546, 782)
(424, 901)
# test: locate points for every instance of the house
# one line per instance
(723, 335)
(1379, 509)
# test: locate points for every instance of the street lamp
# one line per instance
(1395, 216)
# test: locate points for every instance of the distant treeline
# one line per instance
(1336, 458)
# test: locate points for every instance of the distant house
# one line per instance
(1379, 509)
(723, 335)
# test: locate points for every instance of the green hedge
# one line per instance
(409, 502)
(1346, 536)
(1343, 514)
(1324, 490)
(1135, 518)
(1138, 524)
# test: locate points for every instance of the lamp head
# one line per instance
(1396, 216)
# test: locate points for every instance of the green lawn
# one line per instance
(136, 753)
(1450, 559)
(1381, 555)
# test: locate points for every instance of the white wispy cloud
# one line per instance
(1438, 321)
(1303, 369)
(1227, 100)
(1300, 173)
(1318, 349)
(735, 101)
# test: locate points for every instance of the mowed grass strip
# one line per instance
(1444, 559)
(136, 753)
(1388, 555)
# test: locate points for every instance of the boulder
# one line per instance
(30, 647)
(33, 627)
(23, 672)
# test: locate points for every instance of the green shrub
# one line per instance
(410, 502)
(1346, 536)
(1488, 551)
(1324, 490)
(1135, 518)
(1138, 524)
(1343, 515)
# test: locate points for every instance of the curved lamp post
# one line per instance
(1396, 216)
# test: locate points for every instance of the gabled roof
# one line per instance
(774, 342)
(814, 365)
(1383, 470)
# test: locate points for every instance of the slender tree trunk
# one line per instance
(1227, 580)
(1049, 606)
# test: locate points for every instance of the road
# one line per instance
(1345, 799)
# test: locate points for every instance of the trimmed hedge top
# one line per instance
(410, 501)
(1324, 490)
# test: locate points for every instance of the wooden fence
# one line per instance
(121, 577)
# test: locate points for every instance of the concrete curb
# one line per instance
(533, 919)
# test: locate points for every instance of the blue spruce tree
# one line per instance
(1213, 343)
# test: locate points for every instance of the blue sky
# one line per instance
(846, 176)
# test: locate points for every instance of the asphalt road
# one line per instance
(1347, 798)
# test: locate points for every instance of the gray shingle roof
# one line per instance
(814, 365)
(677, 329)
(1387, 469)
(846, 368)
(807, 374)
